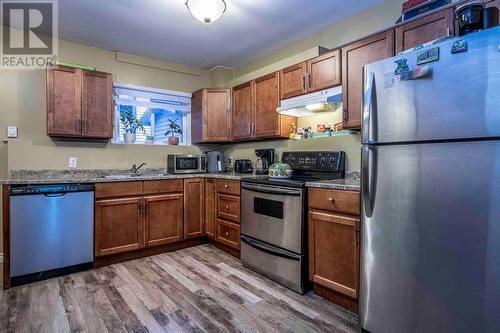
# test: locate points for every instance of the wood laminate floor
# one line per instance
(199, 289)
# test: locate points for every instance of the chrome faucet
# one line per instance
(135, 168)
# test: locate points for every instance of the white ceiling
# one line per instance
(164, 29)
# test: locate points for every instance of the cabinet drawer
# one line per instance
(163, 186)
(228, 233)
(228, 186)
(337, 201)
(228, 207)
(118, 189)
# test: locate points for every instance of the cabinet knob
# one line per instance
(226, 233)
(332, 200)
(227, 207)
(226, 186)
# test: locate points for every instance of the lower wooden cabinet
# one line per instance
(193, 207)
(334, 252)
(228, 233)
(228, 207)
(119, 226)
(163, 219)
(210, 207)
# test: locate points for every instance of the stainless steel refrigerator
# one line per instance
(431, 189)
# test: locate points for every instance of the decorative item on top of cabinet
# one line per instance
(424, 29)
(193, 207)
(354, 57)
(79, 103)
(211, 115)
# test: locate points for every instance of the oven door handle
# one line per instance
(269, 249)
(270, 190)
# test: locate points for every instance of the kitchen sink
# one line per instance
(133, 175)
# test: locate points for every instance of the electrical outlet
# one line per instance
(12, 132)
(73, 161)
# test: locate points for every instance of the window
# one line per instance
(152, 110)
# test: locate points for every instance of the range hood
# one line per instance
(306, 105)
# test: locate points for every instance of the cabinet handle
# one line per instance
(309, 80)
(304, 82)
(250, 129)
(448, 32)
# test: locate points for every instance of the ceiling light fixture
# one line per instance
(206, 11)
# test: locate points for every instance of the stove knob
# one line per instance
(323, 160)
(332, 160)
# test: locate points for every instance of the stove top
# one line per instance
(307, 166)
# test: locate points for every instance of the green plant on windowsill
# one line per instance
(130, 124)
(150, 139)
(173, 130)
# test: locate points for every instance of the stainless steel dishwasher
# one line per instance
(51, 228)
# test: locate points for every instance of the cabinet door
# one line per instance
(324, 71)
(163, 219)
(64, 96)
(193, 208)
(424, 30)
(293, 81)
(97, 105)
(354, 58)
(210, 207)
(216, 115)
(267, 99)
(243, 111)
(334, 252)
(119, 226)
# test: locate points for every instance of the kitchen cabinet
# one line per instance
(163, 219)
(228, 207)
(315, 74)
(243, 111)
(334, 252)
(119, 225)
(324, 71)
(79, 103)
(227, 229)
(210, 207)
(293, 80)
(254, 110)
(228, 234)
(211, 115)
(334, 245)
(193, 207)
(354, 57)
(425, 29)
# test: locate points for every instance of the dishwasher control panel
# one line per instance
(46, 189)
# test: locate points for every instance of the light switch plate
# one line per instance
(12, 132)
(73, 161)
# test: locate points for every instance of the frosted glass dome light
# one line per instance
(206, 11)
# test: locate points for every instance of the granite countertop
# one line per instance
(350, 183)
(33, 177)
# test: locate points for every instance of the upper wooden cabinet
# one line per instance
(254, 110)
(293, 80)
(315, 74)
(354, 57)
(243, 111)
(324, 71)
(79, 103)
(425, 29)
(193, 207)
(211, 115)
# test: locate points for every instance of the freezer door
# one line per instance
(455, 97)
(431, 238)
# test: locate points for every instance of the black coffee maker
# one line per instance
(264, 160)
(474, 17)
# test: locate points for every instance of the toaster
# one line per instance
(243, 166)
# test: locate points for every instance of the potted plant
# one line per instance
(130, 124)
(173, 130)
(150, 139)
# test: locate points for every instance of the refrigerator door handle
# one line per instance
(368, 172)
(369, 108)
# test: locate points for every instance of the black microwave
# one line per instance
(179, 164)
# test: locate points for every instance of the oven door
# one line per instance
(274, 215)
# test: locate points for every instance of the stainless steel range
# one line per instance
(273, 217)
